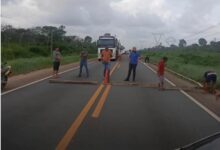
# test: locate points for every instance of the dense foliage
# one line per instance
(39, 41)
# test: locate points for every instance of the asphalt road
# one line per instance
(46, 116)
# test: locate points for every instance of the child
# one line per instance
(160, 72)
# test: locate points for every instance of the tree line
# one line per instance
(201, 45)
(39, 41)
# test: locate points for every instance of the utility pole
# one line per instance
(51, 42)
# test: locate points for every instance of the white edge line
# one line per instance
(20, 87)
(201, 106)
(34, 82)
(190, 97)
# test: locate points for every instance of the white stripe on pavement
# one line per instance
(190, 97)
(34, 82)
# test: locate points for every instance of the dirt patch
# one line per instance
(206, 99)
(22, 79)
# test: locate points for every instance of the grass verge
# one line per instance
(26, 65)
(192, 64)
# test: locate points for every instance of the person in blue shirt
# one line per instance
(133, 61)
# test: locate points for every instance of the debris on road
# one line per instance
(72, 82)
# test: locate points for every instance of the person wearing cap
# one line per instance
(210, 79)
(56, 61)
(160, 72)
(83, 62)
(133, 61)
(106, 58)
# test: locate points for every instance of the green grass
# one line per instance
(192, 64)
(26, 65)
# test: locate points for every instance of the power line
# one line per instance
(202, 31)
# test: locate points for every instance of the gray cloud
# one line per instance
(133, 21)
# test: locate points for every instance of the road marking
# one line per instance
(76, 124)
(71, 132)
(212, 114)
(37, 81)
(105, 94)
(119, 66)
(201, 106)
(101, 103)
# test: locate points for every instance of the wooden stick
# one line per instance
(72, 82)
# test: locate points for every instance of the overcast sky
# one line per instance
(140, 23)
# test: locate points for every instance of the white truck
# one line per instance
(111, 42)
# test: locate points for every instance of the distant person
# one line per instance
(133, 61)
(210, 79)
(147, 59)
(106, 58)
(56, 61)
(160, 72)
(83, 62)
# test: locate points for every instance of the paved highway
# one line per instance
(46, 116)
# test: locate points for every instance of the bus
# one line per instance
(112, 43)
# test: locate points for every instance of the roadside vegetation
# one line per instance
(30, 49)
(191, 61)
(25, 65)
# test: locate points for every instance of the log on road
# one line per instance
(73, 81)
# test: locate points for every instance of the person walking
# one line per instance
(133, 61)
(106, 58)
(160, 72)
(83, 62)
(56, 62)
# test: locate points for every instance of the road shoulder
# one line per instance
(23, 79)
(206, 99)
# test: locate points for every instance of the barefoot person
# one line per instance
(56, 62)
(160, 72)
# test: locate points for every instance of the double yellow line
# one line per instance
(63, 144)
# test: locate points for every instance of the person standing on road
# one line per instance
(106, 58)
(160, 72)
(83, 62)
(56, 62)
(133, 61)
(147, 59)
(210, 79)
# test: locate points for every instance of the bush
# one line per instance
(39, 51)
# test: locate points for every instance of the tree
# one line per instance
(202, 42)
(173, 46)
(182, 43)
(194, 45)
(88, 39)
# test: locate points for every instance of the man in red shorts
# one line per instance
(160, 72)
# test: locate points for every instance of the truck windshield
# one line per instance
(106, 43)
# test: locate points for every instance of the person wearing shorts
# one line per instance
(160, 72)
(56, 62)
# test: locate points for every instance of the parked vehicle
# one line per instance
(112, 43)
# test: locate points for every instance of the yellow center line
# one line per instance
(76, 124)
(102, 100)
(101, 103)
(62, 145)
